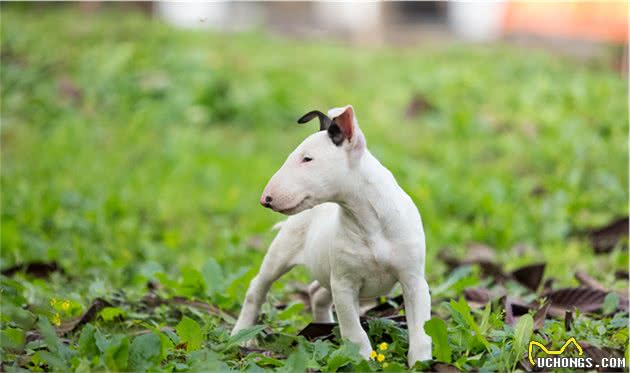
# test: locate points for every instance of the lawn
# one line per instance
(134, 154)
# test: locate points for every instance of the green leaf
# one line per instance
(291, 311)
(244, 335)
(111, 313)
(459, 279)
(190, 333)
(49, 335)
(145, 352)
(87, 342)
(117, 353)
(296, 362)
(264, 361)
(61, 353)
(484, 325)
(394, 367)
(522, 334)
(206, 361)
(192, 282)
(213, 277)
(53, 361)
(101, 342)
(347, 353)
(463, 310)
(436, 329)
(611, 303)
(12, 339)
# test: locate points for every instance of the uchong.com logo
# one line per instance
(553, 358)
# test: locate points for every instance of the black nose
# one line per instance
(267, 201)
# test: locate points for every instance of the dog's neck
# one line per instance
(369, 200)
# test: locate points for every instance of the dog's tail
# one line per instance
(278, 225)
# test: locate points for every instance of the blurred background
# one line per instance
(578, 27)
(137, 137)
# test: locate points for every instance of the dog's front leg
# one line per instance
(418, 311)
(283, 255)
(346, 299)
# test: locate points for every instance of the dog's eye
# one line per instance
(306, 159)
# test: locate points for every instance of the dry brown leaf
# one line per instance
(36, 269)
(604, 239)
(530, 276)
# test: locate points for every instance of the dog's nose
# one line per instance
(266, 201)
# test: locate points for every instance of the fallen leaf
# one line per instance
(244, 351)
(479, 254)
(68, 89)
(90, 314)
(548, 285)
(583, 298)
(541, 315)
(391, 306)
(515, 308)
(314, 331)
(604, 239)
(622, 275)
(444, 368)
(418, 105)
(153, 300)
(538, 191)
(586, 280)
(491, 269)
(479, 297)
(530, 276)
(35, 269)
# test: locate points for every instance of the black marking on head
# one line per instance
(324, 120)
(335, 134)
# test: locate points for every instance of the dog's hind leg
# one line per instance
(284, 253)
(321, 303)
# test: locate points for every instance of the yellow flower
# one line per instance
(380, 358)
(65, 305)
(56, 319)
(373, 354)
(53, 302)
(383, 346)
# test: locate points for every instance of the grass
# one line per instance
(133, 152)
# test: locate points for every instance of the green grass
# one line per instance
(154, 173)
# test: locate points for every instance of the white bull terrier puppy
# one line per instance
(353, 227)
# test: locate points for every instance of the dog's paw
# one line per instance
(422, 351)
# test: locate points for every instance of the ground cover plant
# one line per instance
(133, 156)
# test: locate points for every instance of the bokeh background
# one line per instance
(137, 137)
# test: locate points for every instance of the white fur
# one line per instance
(355, 229)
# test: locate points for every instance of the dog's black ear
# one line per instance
(324, 121)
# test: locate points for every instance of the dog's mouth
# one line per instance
(297, 208)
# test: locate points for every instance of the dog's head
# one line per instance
(320, 168)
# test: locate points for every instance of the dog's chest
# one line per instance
(367, 261)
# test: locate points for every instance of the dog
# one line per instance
(352, 226)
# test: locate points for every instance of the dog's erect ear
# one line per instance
(324, 121)
(344, 126)
(345, 121)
